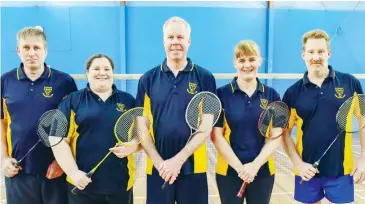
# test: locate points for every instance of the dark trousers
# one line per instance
(32, 189)
(187, 189)
(257, 192)
(82, 197)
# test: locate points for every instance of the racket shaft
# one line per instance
(164, 185)
(75, 189)
(329, 147)
(16, 165)
(315, 165)
(242, 190)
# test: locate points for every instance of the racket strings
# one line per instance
(52, 127)
(276, 115)
(350, 116)
(202, 103)
(133, 126)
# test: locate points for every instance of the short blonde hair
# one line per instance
(32, 32)
(316, 34)
(176, 19)
(247, 48)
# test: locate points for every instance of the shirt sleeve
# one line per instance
(358, 87)
(288, 101)
(2, 105)
(65, 107)
(221, 116)
(210, 83)
(141, 92)
(70, 85)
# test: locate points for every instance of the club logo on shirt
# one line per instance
(192, 88)
(120, 107)
(339, 92)
(264, 103)
(47, 92)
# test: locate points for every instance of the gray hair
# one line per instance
(176, 19)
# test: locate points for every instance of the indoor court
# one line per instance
(277, 27)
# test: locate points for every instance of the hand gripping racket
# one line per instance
(201, 114)
(130, 129)
(272, 123)
(350, 119)
(51, 129)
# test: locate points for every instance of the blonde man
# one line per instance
(167, 90)
(244, 154)
(314, 101)
(26, 93)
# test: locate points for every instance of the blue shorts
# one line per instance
(335, 189)
(187, 189)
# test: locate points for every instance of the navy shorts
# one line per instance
(259, 191)
(29, 188)
(187, 189)
(335, 189)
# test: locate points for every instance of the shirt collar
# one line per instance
(189, 67)
(234, 85)
(21, 75)
(331, 74)
(113, 87)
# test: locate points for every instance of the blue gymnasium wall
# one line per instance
(132, 34)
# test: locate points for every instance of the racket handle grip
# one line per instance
(315, 165)
(164, 185)
(75, 190)
(303, 182)
(17, 164)
(242, 190)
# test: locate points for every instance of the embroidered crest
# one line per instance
(264, 103)
(192, 88)
(339, 92)
(47, 92)
(120, 107)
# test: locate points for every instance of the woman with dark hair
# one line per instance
(92, 113)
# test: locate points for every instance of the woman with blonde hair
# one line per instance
(243, 153)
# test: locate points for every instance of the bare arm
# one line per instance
(271, 145)
(198, 139)
(150, 149)
(7, 163)
(224, 148)
(4, 144)
(64, 157)
(362, 135)
(290, 149)
(359, 170)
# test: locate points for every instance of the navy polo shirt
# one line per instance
(91, 131)
(239, 121)
(167, 97)
(313, 110)
(22, 103)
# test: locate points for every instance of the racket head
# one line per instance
(133, 126)
(350, 116)
(203, 104)
(52, 127)
(274, 120)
